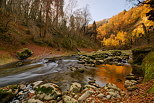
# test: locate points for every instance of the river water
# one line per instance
(44, 68)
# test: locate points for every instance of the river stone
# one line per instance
(34, 101)
(112, 86)
(41, 95)
(89, 86)
(111, 90)
(37, 83)
(91, 82)
(131, 77)
(53, 101)
(81, 70)
(112, 94)
(48, 91)
(100, 95)
(75, 87)
(85, 95)
(129, 83)
(122, 93)
(108, 96)
(31, 91)
(73, 68)
(116, 53)
(22, 86)
(96, 85)
(68, 99)
(131, 88)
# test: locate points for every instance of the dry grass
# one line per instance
(6, 58)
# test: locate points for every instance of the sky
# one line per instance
(103, 9)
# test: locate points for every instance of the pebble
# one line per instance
(75, 87)
(35, 84)
(68, 99)
(108, 96)
(34, 101)
(100, 95)
(85, 95)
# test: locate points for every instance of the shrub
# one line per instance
(24, 54)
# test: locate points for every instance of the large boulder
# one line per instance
(148, 67)
(24, 54)
(139, 54)
(48, 91)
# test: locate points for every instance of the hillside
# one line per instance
(42, 24)
(126, 29)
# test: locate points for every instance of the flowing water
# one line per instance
(43, 70)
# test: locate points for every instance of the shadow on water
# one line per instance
(107, 73)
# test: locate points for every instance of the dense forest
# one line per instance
(46, 22)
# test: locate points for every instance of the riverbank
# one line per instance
(76, 79)
(41, 92)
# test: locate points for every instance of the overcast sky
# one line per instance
(102, 9)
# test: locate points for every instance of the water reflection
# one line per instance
(113, 74)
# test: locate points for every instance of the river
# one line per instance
(58, 72)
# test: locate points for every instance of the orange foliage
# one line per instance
(118, 29)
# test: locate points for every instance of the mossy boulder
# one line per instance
(5, 96)
(116, 53)
(148, 67)
(24, 54)
(48, 91)
(140, 53)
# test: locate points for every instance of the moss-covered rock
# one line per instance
(101, 55)
(116, 53)
(48, 91)
(148, 67)
(24, 54)
(139, 54)
(5, 96)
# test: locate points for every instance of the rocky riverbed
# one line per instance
(41, 92)
(73, 82)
